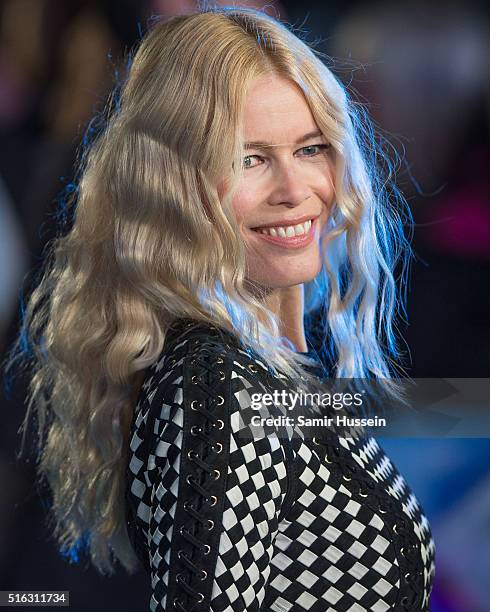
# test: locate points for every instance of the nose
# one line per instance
(289, 186)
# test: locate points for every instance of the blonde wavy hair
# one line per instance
(151, 241)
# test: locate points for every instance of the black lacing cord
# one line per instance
(211, 500)
(366, 488)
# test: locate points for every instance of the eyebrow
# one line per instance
(258, 144)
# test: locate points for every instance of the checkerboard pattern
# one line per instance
(295, 524)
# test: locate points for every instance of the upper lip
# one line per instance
(286, 222)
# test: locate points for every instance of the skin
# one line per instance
(285, 181)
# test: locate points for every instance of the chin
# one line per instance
(281, 281)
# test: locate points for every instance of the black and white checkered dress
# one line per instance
(224, 522)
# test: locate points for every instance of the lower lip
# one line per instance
(293, 242)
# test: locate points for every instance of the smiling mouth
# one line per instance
(286, 238)
(286, 231)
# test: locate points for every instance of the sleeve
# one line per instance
(216, 495)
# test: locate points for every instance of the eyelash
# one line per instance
(324, 147)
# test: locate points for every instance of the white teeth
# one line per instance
(287, 232)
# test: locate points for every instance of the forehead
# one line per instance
(276, 111)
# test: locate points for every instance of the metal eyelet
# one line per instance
(222, 375)
(408, 577)
(252, 367)
(207, 549)
(193, 407)
(315, 441)
(177, 578)
(180, 553)
(201, 598)
(327, 460)
(204, 574)
(346, 477)
(188, 479)
(217, 474)
(363, 494)
(172, 361)
(220, 447)
(177, 602)
(221, 400)
(219, 360)
(195, 428)
(187, 505)
(221, 424)
(181, 530)
(210, 525)
(404, 600)
(384, 511)
(214, 498)
(191, 454)
(395, 529)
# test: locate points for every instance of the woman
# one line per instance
(228, 199)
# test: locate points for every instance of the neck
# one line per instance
(288, 304)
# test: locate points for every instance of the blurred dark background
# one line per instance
(422, 70)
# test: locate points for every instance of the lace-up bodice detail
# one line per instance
(226, 522)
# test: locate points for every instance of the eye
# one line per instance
(323, 147)
(248, 157)
(313, 147)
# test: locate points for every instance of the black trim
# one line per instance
(203, 474)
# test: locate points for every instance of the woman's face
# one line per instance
(286, 193)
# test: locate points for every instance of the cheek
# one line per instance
(239, 202)
(221, 188)
(243, 205)
(329, 188)
(239, 213)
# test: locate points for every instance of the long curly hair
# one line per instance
(151, 241)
